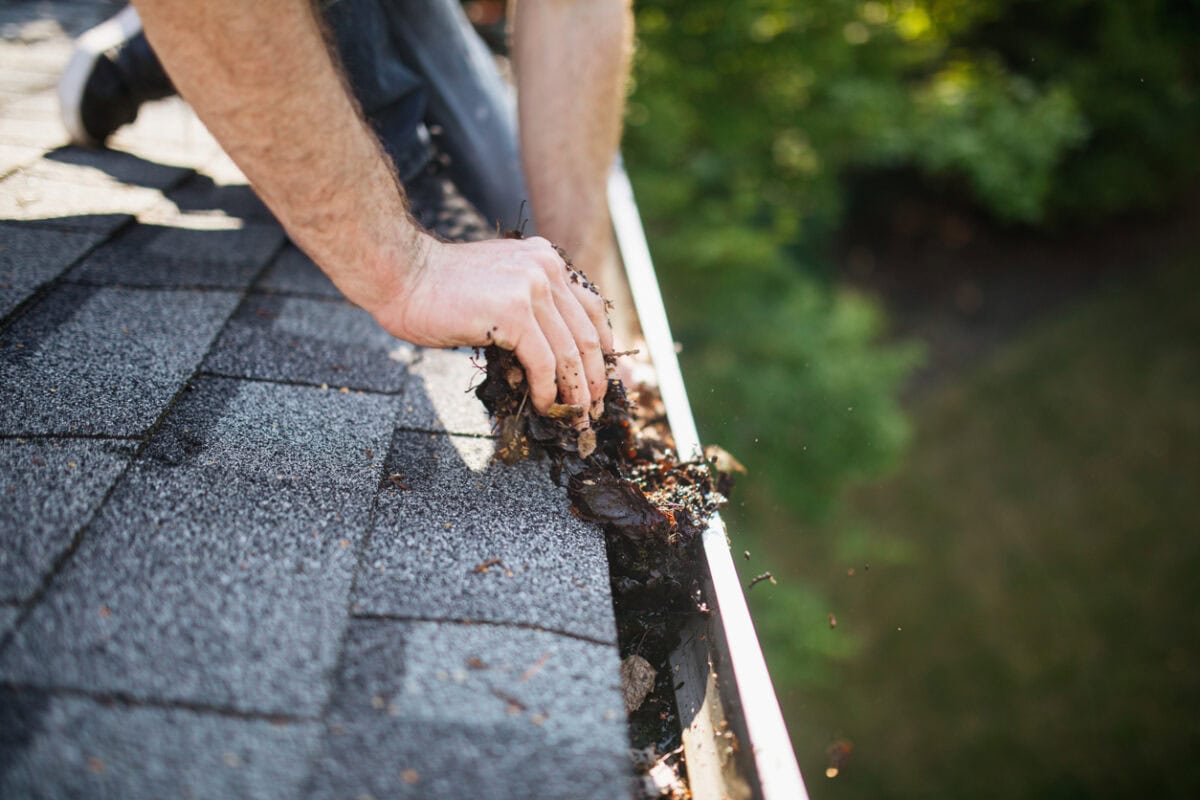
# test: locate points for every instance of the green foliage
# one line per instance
(1084, 106)
(746, 118)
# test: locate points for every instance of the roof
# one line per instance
(207, 580)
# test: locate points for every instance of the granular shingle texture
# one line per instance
(8, 616)
(48, 489)
(292, 272)
(76, 747)
(103, 360)
(303, 340)
(219, 571)
(159, 256)
(514, 713)
(460, 512)
(31, 257)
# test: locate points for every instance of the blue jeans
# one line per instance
(416, 65)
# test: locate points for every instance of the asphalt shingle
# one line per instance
(103, 361)
(30, 257)
(76, 747)
(460, 512)
(8, 616)
(158, 256)
(448, 402)
(293, 272)
(219, 570)
(310, 341)
(47, 490)
(436, 710)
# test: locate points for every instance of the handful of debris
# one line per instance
(620, 472)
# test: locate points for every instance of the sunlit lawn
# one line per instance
(1029, 625)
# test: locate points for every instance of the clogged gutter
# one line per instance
(623, 474)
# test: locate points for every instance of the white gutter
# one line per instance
(778, 774)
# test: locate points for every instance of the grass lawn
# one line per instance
(1029, 624)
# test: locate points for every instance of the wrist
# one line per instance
(401, 267)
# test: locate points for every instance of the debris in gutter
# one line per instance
(622, 472)
(660, 775)
(637, 681)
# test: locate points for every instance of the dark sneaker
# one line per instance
(112, 71)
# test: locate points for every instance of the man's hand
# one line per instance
(518, 294)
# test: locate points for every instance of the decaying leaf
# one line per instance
(565, 411)
(587, 443)
(637, 679)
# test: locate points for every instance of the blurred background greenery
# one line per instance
(934, 268)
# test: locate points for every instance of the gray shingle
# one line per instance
(76, 747)
(310, 341)
(8, 616)
(447, 402)
(153, 255)
(103, 361)
(47, 490)
(295, 273)
(437, 710)
(219, 570)
(31, 257)
(459, 512)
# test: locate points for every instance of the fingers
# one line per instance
(570, 374)
(581, 308)
(536, 356)
(587, 343)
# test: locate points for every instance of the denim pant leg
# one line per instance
(468, 100)
(391, 95)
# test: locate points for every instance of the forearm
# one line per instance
(262, 79)
(572, 62)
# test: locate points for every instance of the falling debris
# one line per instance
(837, 755)
(757, 579)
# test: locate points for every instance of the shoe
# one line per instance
(112, 71)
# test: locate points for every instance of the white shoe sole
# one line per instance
(88, 48)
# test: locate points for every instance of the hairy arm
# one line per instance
(572, 64)
(262, 79)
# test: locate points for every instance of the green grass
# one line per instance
(1029, 625)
